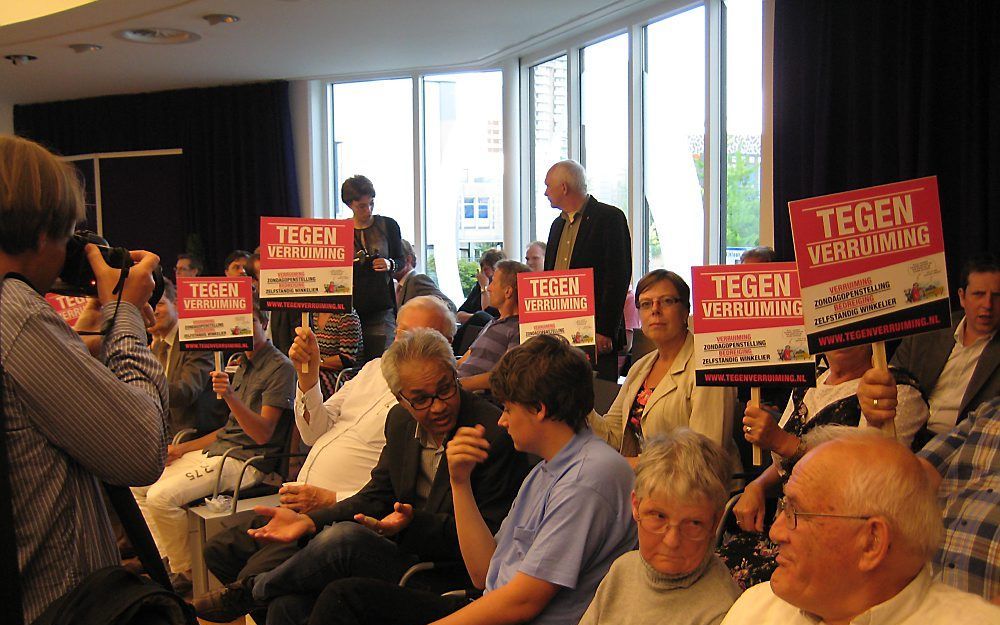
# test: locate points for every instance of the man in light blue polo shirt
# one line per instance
(569, 522)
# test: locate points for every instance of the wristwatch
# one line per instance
(788, 462)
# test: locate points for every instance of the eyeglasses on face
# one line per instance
(664, 302)
(791, 514)
(424, 402)
(690, 529)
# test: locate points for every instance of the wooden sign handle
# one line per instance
(755, 402)
(305, 324)
(218, 367)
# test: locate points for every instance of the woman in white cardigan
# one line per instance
(659, 393)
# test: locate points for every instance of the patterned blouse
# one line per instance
(750, 555)
(341, 335)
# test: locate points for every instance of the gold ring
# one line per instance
(875, 403)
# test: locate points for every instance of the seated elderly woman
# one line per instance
(832, 402)
(659, 393)
(675, 576)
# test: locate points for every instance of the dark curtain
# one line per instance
(238, 156)
(874, 91)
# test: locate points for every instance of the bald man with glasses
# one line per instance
(855, 531)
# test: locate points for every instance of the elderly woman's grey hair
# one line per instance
(572, 173)
(898, 490)
(420, 345)
(446, 319)
(684, 466)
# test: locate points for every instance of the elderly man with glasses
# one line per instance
(855, 531)
(404, 514)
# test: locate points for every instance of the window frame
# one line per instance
(518, 119)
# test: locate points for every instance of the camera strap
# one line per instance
(118, 290)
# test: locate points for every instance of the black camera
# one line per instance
(77, 277)
(364, 258)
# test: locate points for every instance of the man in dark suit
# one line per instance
(588, 233)
(959, 368)
(410, 284)
(405, 513)
(192, 400)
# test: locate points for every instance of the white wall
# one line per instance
(6, 119)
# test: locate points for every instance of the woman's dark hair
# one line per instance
(355, 188)
(235, 255)
(547, 370)
(661, 275)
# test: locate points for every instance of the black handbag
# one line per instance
(108, 596)
(114, 596)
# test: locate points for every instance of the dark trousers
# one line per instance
(356, 601)
(338, 551)
(378, 328)
(232, 554)
(607, 366)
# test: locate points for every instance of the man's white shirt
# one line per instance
(346, 433)
(922, 602)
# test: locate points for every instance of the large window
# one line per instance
(463, 159)
(744, 106)
(604, 116)
(373, 136)
(674, 141)
(663, 108)
(549, 120)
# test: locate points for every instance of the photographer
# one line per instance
(379, 252)
(68, 420)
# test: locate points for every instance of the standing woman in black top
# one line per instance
(378, 250)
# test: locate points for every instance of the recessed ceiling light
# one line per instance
(220, 18)
(157, 35)
(85, 47)
(20, 59)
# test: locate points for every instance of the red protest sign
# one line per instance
(215, 313)
(69, 308)
(558, 302)
(871, 264)
(748, 326)
(306, 264)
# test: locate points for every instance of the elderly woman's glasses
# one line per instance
(664, 302)
(690, 529)
(426, 401)
(791, 514)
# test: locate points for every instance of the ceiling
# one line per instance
(274, 39)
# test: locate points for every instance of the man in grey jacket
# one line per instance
(959, 368)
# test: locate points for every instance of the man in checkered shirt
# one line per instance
(966, 463)
(968, 458)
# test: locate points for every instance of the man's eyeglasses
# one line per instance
(791, 514)
(656, 523)
(426, 401)
(665, 302)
